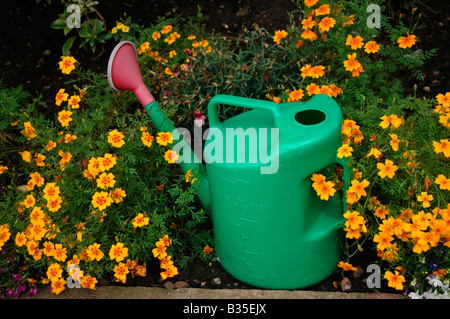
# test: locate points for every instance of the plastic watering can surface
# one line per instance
(270, 228)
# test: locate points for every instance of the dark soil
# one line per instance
(30, 51)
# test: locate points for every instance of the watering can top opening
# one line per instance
(124, 73)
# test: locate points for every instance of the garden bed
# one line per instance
(30, 59)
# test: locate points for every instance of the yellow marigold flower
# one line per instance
(371, 47)
(88, 282)
(394, 280)
(425, 198)
(171, 156)
(442, 147)
(322, 10)
(394, 142)
(118, 252)
(170, 272)
(443, 182)
(147, 139)
(64, 117)
(354, 42)
(359, 187)
(140, 220)
(29, 130)
(310, 3)
(30, 201)
(279, 35)
(48, 249)
(73, 101)
(105, 181)
(37, 179)
(54, 271)
(351, 64)
(118, 194)
(387, 169)
(60, 253)
(26, 156)
(344, 151)
(326, 24)
(346, 266)
(172, 53)
(67, 64)
(94, 252)
(54, 203)
(69, 138)
(160, 250)
(349, 21)
(21, 239)
(164, 138)
(125, 28)
(106, 162)
(58, 285)
(406, 42)
(40, 159)
(114, 30)
(65, 158)
(391, 120)
(101, 200)
(60, 97)
(115, 138)
(50, 145)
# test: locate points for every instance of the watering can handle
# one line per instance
(213, 113)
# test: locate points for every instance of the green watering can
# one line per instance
(271, 230)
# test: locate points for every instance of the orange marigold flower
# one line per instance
(406, 42)
(354, 42)
(322, 10)
(351, 64)
(443, 99)
(346, 266)
(309, 35)
(279, 35)
(371, 47)
(326, 24)
(310, 3)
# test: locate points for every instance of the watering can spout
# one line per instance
(124, 74)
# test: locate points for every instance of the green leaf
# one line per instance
(66, 47)
(84, 33)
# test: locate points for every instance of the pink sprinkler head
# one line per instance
(124, 73)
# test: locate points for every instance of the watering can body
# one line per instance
(272, 230)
